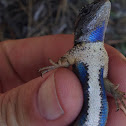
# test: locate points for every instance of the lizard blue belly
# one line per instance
(87, 117)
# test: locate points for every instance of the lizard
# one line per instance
(90, 63)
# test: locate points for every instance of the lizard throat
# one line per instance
(97, 34)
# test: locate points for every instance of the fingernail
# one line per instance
(48, 102)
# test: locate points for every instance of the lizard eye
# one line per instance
(85, 10)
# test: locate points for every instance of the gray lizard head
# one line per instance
(92, 21)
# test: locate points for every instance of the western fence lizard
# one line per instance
(90, 63)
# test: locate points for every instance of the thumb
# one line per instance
(52, 101)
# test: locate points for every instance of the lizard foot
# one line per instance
(49, 68)
(61, 63)
(119, 97)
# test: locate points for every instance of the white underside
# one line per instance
(95, 57)
(94, 98)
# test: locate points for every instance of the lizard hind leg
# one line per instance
(117, 95)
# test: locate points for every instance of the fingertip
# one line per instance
(114, 52)
(117, 66)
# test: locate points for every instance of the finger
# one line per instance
(117, 67)
(50, 101)
(21, 59)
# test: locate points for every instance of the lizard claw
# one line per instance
(48, 68)
(119, 98)
(62, 62)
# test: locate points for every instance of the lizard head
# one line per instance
(92, 22)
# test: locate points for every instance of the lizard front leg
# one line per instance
(116, 93)
(64, 61)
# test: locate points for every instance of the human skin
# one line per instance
(27, 99)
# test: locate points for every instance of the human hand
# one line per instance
(54, 100)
